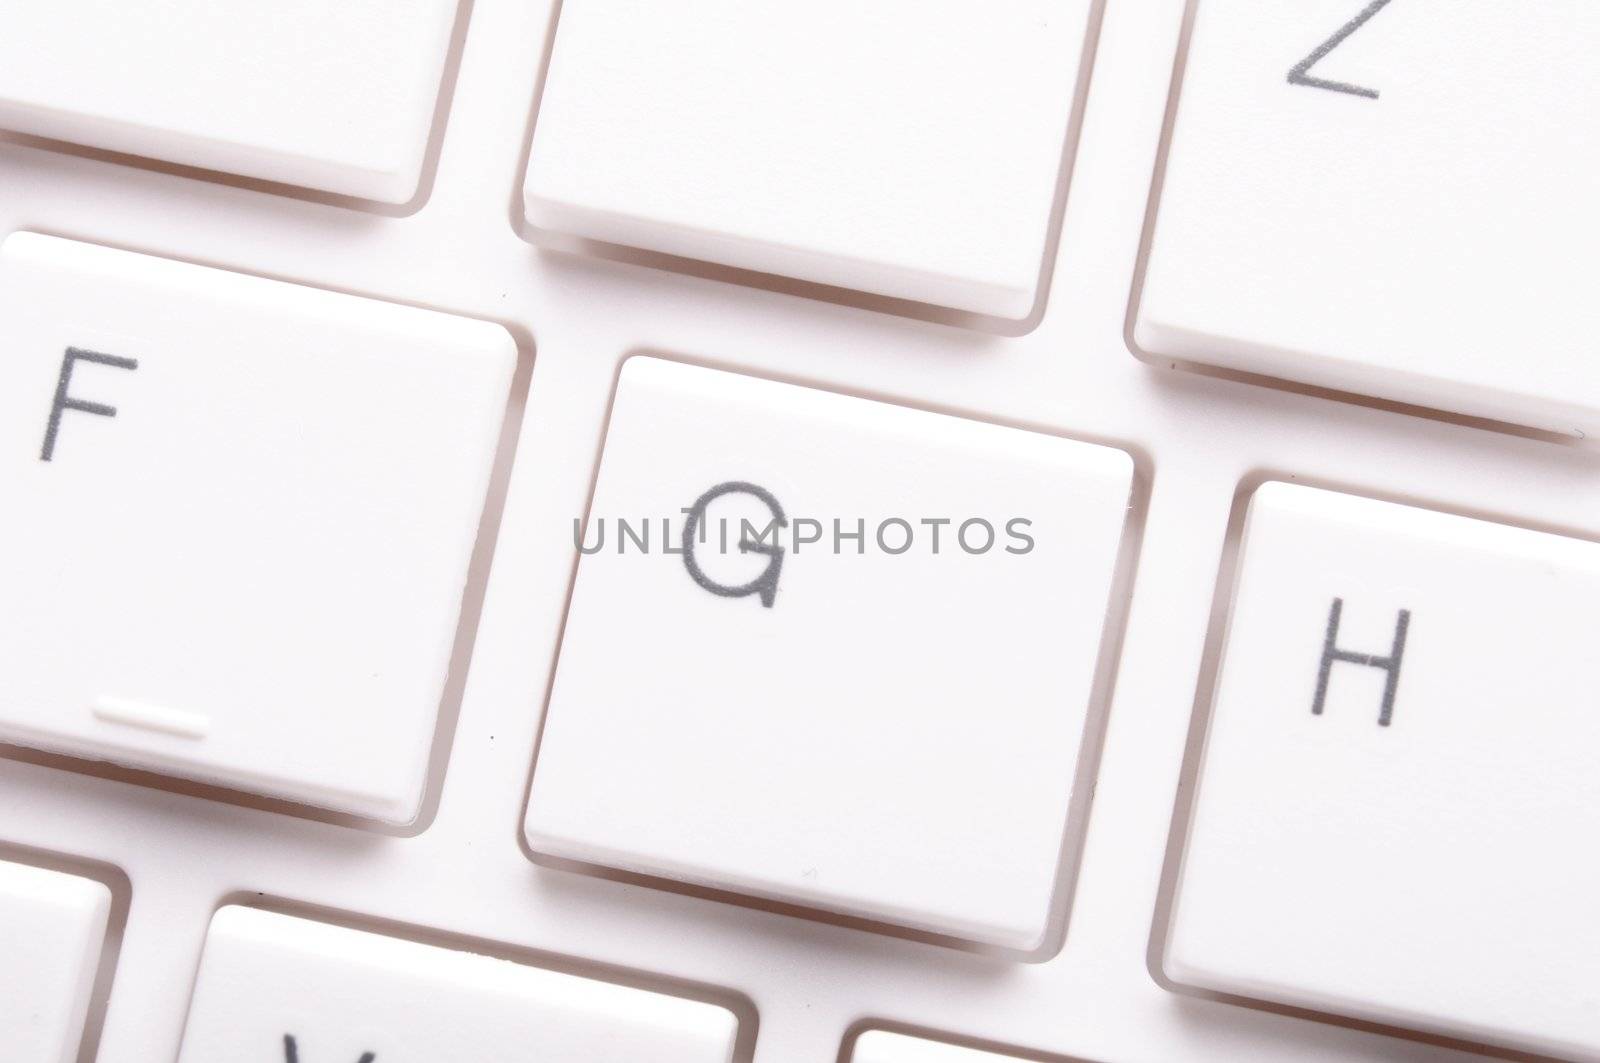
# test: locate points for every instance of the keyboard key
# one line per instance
(338, 97)
(900, 148)
(1392, 199)
(851, 668)
(879, 1046)
(274, 987)
(54, 929)
(239, 514)
(1398, 802)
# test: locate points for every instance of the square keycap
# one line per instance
(1396, 808)
(851, 667)
(53, 926)
(903, 148)
(1394, 200)
(281, 989)
(337, 97)
(881, 1046)
(239, 518)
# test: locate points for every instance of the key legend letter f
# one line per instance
(64, 400)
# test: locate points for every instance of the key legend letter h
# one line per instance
(1390, 663)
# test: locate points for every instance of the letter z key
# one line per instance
(1393, 198)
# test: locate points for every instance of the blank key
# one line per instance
(1397, 808)
(337, 97)
(288, 990)
(905, 148)
(239, 515)
(852, 666)
(1389, 198)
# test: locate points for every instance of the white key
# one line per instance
(904, 147)
(1422, 851)
(880, 1046)
(1410, 216)
(332, 96)
(240, 517)
(286, 990)
(53, 927)
(890, 734)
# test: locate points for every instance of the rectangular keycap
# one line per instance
(852, 665)
(899, 147)
(274, 987)
(52, 931)
(1388, 198)
(332, 96)
(1398, 803)
(880, 1046)
(239, 515)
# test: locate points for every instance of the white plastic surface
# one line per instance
(880, 1046)
(270, 982)
(250, 572)
(809, 981)
(890, 728)
(1434, 872)
(53, 929)
(337, 97)
(909, 148)
(1430, 244)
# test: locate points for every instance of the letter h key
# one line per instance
(1331, 653)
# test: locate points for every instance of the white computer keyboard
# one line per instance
(743, 532)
